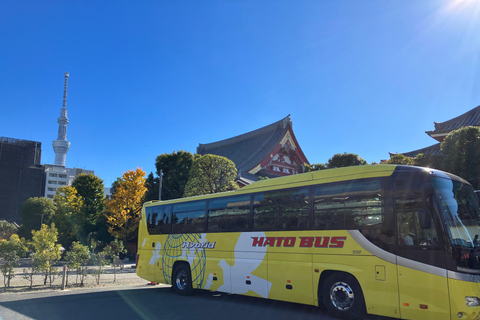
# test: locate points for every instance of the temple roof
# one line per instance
(469, 118)
(433, 149)
(249, 149)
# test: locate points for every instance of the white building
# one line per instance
(58, 176)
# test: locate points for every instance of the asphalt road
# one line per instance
(147, 302)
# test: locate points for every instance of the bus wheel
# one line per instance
(343, 297)
(182, 280)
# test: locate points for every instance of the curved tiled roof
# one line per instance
(248, 149)
(434, 149)
(469, 118)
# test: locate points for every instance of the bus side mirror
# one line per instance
(425, 218)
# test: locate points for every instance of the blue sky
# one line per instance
(152, 77)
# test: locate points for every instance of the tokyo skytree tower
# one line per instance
(61, 145)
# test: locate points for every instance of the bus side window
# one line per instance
(229, 214)
(163, 222)
(149, 211)
(189, 217)
(294, 210)
(263, 213)
(348, 205)
(409, 231)
(281, 210)
(329, 213)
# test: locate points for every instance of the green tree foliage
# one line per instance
(69, 215)
(211, 174)
(35, 212)
(47, 251)
(100, 261)
(399, 158)
(7, 229)
(30, 271)
(315, 167)
(90, 189)
(113, 250)
(461, 154)
(152, 188)
(345, 160)
(77, 258)
(429, 160)
(11, 251)
(176, 171)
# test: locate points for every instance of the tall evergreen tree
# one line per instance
(152, 188)
(90, 189)
(176, 171)
(461, 154)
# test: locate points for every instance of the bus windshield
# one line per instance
(460, 214)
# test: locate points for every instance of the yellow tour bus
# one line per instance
(396, 241)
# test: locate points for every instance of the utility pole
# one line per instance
(160, 178)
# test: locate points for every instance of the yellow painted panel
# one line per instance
(291, 277)
(418, 288)
(145, 269)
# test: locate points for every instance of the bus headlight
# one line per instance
(472, 301)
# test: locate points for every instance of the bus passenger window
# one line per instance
(189, 217)
(229, 214)
(348, 205)
(281, 210)
(163, 224)
(159, 219)
(409, 231)
(152, 214)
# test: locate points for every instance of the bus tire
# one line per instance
(182, 280)
(343, 296)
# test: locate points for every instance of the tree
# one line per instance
(47, 251)
(461, 154)
(7, 229)
(90, 189)
(399, 158)
(100, 261)
(152, 188)
(315, 167)
(34, 213)
(77, 258)
(176, 170)
(211, 174)
(30, 271)
(69, 215)
(113, 250)
(345, 160)
(11, 251)
(124, 209)
(115, 185)
(429, 160)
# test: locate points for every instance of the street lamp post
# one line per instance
(160, 178)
